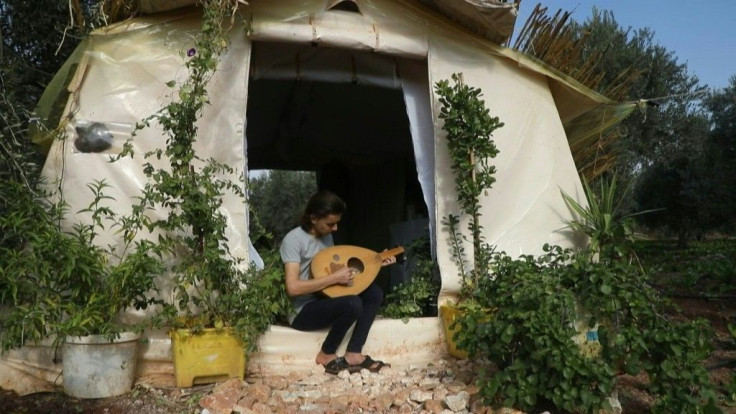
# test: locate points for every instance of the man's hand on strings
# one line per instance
(389, 260)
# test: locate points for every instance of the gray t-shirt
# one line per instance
(300, 247)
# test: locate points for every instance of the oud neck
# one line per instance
(392, 252)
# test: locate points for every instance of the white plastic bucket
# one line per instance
(94, 367)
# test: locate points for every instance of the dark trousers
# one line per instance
(340, 313)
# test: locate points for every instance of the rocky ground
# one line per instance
(444, 387)
(441, 388)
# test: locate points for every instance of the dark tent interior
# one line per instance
(356, 137)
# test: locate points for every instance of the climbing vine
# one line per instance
(469, 127)
(209, 285)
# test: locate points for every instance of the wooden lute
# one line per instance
(365, 262)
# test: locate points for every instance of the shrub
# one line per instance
(413, 297)
(538, 306)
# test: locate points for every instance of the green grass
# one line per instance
(707, 267)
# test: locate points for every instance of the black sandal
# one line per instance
(338, 364)
(372, 365)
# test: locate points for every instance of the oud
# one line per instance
(365, 264)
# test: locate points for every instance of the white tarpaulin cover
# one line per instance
(492, 19)
(118, 77)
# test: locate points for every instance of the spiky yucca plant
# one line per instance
(602, 220)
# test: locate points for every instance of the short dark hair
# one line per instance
(321, 205)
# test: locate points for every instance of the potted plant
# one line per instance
(62, 285)
(469, 129)
(211, 339)
(214, 302)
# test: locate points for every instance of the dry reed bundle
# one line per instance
(552, 40)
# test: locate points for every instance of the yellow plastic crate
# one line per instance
(449, 313)
(206, 357)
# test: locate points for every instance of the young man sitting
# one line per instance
(314, 311)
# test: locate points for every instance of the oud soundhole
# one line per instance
(355, 263)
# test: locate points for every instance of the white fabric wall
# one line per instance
(126, 73)
(415, 85)
(524, 209)
(122, 81)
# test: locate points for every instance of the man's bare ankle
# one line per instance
(323, 358)
(354, 358)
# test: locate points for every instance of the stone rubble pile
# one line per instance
(445, 387)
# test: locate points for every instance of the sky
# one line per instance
(699, 33)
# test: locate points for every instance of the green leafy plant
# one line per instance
(412, 298)
(730, 387)
(602, 220)
(276, 198)
(118, 277)
(62, 284)
(262, 303)
(191, 190)
(706, 268)
(211, 287)
(539, 304)
(32, 248)
(469, 127)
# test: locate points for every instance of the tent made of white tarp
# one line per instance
(349, 93)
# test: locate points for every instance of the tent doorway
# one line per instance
(342, 114)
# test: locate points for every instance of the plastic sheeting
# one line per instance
(415, 84)
(492, 19)
(285, 61)
(123, 74)
(119, 77)
(524, 209)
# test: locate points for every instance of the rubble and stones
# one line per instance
(445, 387)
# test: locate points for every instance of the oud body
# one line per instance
(365, 264)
